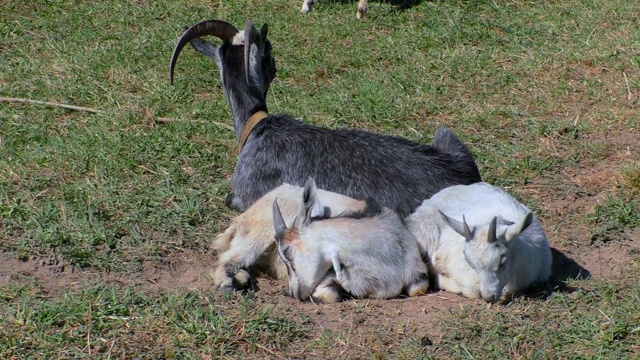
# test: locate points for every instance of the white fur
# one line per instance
(238, 39)
(250, 238)
(367, 256)
(472, 267)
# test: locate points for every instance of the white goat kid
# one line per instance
(480, 242)
(369, 253)
(250, 238)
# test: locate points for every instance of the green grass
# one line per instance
(543, 92)
(597, 321)
(103, 321)
(614, 216)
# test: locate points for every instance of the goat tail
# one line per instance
(222, 242)
(449, 143)
(446, 141)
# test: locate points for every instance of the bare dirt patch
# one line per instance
(573, 192)
(180, 271)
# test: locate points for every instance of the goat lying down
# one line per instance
(250, 238)
(480, 242)
(276, 149)
(369, 253)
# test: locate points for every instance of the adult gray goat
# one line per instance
(274, 149)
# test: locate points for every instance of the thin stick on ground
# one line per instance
(46, 103)
(159, 120)
(629, 96)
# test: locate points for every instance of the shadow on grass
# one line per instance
(563, 269)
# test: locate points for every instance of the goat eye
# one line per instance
(503, 261)
(287, 253)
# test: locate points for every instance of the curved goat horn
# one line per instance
(221, 29)
(250, 35)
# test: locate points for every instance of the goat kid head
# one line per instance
(486, 250)
(305, 262)
(243, 57)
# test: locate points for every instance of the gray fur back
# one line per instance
(394, 171)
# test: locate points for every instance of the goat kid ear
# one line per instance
(278, 222)
(309, 202)
(461, 227)
(516, 229)
(318, 209)
(281, 244)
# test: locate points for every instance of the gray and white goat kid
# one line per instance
(277, 149)
(480, 242)
(249, 241)
(369, 253)
(363, 5)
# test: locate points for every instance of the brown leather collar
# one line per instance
(251, 123)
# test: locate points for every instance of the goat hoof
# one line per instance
(306, 7)
(242, 279)
(327, 294)
(418, 289)
(326, 298)
(362, 12)
(229, 202)
(419, 286)
(227, 289)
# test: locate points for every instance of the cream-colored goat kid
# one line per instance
(368, 253)
(250, 238)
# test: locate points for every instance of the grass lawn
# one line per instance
(106, 216)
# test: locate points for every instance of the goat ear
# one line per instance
(516, 229)
(491, 232)
(204, 47)
(317, 209)
(308, 202)
(320, 210)
(278, 222)
(281, 244)
(461, 227)
(250, 35)
(264, 30)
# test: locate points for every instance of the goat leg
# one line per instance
(418, 286)
(327, 292)
(306, 6)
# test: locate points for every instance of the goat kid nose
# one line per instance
(490, 298)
